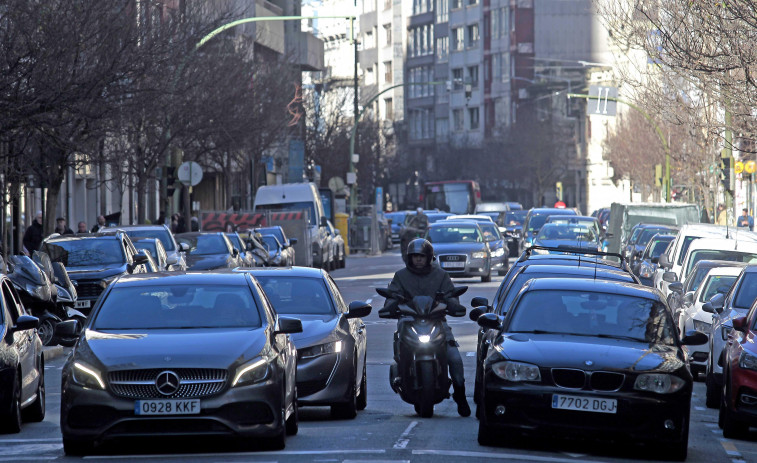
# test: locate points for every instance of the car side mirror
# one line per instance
(67, 329)
(688, 298)
(489, 321)
(182, 247)
(475, 313)
(292, 241)
(664, 261)
(479, 301)
(359, 309)
(670, 277)
(289, 326)
(694, 338)
(139, 259)
(718, 302)
(172, 260)
(336, 232)
(707, 307)
(234, 252)
(655, 260)
(739, 324)
(25, 322)
(675, 286)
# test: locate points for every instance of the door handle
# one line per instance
(361, 328)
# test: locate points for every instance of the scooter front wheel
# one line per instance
(46, 331)
(426, 379)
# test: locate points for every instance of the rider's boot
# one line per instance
(463, 409)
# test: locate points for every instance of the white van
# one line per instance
(298, 197)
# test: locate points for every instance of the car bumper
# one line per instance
(473, 267)
(500, 264)
(246, 411)
(744, 394)
(324, 380)
(639, 417)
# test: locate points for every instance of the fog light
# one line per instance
(499, 410)
(669, 424)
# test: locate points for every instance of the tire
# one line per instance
(426, 380)
(292, 424)
(11, 422)
(362, 398)
(733, 428)
(487, 278)
(712, 396)
(343, 261)
(36, 411)
(77, 448)
(477, 392)
(486, 436)
(347, 410)
(46, 332)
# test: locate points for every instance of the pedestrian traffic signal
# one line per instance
(170, 180)
(727, 176)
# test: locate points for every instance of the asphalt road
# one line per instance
(388, 430)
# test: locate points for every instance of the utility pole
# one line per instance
(356, 115)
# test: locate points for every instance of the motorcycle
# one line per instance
(38, 294)
(419, 373)
(66, 302)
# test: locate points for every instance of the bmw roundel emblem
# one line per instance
(167, 383)
(588, 363)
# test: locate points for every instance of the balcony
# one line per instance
(307, 51)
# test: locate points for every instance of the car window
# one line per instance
(297, 295)
(10, 303)
(746, 293)
(687, 240)
(178, 307)
(716, 284)
(456, 234)
(86, 252)
(162, 234)
(717, 254)
(657, 248)
(593, 314)
(205, 244)
(491, 232)
(337, 295)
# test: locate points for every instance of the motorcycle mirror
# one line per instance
(358, 309)
(459, 290)
(384, 292)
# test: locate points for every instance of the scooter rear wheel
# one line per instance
(426, 397)
(46, 331)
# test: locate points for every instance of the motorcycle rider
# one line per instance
(421, 277)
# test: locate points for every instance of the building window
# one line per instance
(472, 2)
(473, 35)
(473, 116)
(457, 79)
(442, 11)
(456, 4)
(422, 6)
(442, 129)
(370, 77)
(388, 34)
(458, 41)
(387, 4)
(388, 108)
(370, 40)
(442, 52)
(458, 117)
(388, 72)
(473, 76)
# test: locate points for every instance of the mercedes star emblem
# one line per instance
(167, 383)
(589, 363)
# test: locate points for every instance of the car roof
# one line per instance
(447, 222)
(288, 271)
(476, 217)
(725, 271)
(575, 270)
(137, 227)
(88, 236)
(723, 244)
(552, 210)
(183, 278)
(600, 286)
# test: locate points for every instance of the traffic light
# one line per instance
(558, 190)
(727, 176)
(170, 180)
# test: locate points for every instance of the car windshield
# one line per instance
(747, 291)
(514, 218)
(297, 295)
(275, 231)
(717, 254)
(161, 234)
(490, 230)
(235, 241)
(716, 284)
(201, 245)
(286, 207)
(647, 235)
(565, 232)
(271, 242)
(523, 277)
(86, 252)
(147, 244)
(454, 234)
(635, 235)
(587, 313)
(177, 307)
(658, 247)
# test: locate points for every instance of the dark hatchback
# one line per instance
(22, 367)
(209, 250)
(185, 354)
(331, 350)
(587, 358)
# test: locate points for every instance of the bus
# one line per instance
(455, 196)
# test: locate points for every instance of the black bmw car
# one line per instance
(184, 354)
(588, 358)
(22, 369)
(331, 350)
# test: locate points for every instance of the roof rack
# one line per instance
(577, 251)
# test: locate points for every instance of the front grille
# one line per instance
(193, 383)
(89, 289)
(452, 258)
(569, 378)
(606, 381)
(305, 388)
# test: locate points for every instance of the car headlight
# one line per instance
(659, 383)
(478, 255)
(747, 361)
(646, 270)
(725, 331)
(321, 349)
(516, 371)
(702, 326)
(85, 375)
(251, 372)
(498, 252)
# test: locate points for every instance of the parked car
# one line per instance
(640, 236)
(93, 261)
(460, 248)
(737, 408)
(546, 371)
(157, 252)
(678, 291)
(211, 357)
(244, 249)
(535, 218)
(647, 264)
(151, 264)
(497, 247)
(339, 258)
(175, 257)
(331, 350)
(725, 308)
(718, 280)
(209, 250)
(287, 254)
(22, 366)
(275, 251)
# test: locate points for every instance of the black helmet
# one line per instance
(420, 246)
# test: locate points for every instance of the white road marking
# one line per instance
(470, 354)
(405, 436)
(496, 456)
(369, 301)
(699, 409)
(237, 454)
(28, 441)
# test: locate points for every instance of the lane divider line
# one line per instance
(405, 436)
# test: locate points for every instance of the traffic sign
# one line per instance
(739, 167)
(749, 167)
(189, 173)
(602, 101)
